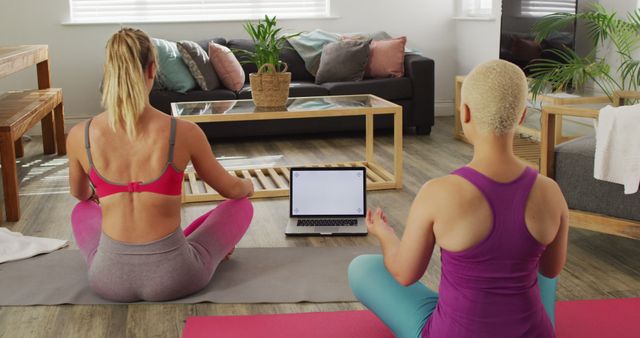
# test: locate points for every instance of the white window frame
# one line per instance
(195, 11)
(476, 8)
(540, 8)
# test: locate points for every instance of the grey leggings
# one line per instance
(169, 268)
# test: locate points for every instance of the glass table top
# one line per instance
(294, 104)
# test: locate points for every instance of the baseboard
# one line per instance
(444, 108)
(69, 122)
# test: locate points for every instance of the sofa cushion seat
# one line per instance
(296, 89)
(390, 89)
(574, 174)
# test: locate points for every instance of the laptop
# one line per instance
(327, 201)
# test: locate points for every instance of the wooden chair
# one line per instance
(578, 218)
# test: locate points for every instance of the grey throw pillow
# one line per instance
(197, 59)
(343, 61)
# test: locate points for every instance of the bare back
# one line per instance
(119, 159)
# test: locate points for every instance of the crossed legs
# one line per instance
(405, 310)
(212, 235)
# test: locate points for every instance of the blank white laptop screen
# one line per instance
(327, 192)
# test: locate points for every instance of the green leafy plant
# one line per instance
(606, 30)
(267, 41)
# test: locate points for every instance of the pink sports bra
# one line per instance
(168, 183)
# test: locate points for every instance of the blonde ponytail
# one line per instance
(124, 92)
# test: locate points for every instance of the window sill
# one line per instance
(474, 18)
(73, 23)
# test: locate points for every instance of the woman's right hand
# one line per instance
(377, 223)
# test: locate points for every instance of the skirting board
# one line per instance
(444, 108)
(69, 122)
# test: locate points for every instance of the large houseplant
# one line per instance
(270, 84)
(620, 71)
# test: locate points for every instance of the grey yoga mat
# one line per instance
(252, 275)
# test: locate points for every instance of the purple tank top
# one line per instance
(491, 289)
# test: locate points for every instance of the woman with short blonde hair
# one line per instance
(131, 159)
(501, 228)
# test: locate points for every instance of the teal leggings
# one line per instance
(405, 310)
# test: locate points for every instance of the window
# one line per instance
(540, 8)
(122, 11)
(476, 8)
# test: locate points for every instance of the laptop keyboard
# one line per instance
(327, 222)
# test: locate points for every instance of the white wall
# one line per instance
(621, 7)
(76, 51)
(477, 40)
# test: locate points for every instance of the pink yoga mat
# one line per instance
(605, 318)
(341, 324)
(608, 318)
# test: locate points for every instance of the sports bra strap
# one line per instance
(87, 142)
(172, 138)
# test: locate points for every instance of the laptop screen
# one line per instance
(328, 192)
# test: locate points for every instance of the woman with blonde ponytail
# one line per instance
(126, 166)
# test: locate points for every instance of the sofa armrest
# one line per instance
(420, 70)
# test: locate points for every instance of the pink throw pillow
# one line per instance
(386, 58)
(227, 66)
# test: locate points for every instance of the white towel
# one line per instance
(617, 156)
(14, 246)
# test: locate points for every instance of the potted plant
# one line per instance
(270, 84)
(570, 70)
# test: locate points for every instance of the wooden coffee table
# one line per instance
(274, 181)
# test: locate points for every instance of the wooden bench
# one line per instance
(21, 110)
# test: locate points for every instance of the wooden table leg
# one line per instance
(547, 143)
(369, 137)
(44, 76)
(9, 177)
(48, 134)
(457, 124)
(19, 148)
(397, 147)
(59, 123)
(558, 129)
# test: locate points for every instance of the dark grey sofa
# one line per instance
(574, 174)
(414, 92)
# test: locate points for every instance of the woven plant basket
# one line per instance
(270, 89)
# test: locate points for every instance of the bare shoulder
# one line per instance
(77, 131)
(547, 189)
(187, 128)
(441, 189)
(75, 137)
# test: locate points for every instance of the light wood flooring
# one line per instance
(599, 266)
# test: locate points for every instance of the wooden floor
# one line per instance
(599, 266)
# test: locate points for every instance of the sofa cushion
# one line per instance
(287, 54)
(172, 71)
(343, 61)
(244, 44)
(205, 43)
(296, 64)
(226, 66)
(296, 89)
(390, 89)
(386, 58)
(197, 59)
(574, 174)
(162, 99)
